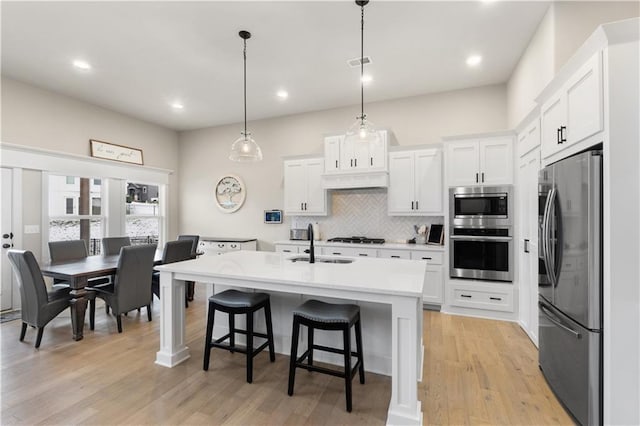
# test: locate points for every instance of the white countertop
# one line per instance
(366, 275)
(385, 246)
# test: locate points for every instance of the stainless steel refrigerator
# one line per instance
(570, 283)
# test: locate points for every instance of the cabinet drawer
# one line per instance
(432, 257)
(349, 251)
(286, 249)
(394, 254)
(489, 299)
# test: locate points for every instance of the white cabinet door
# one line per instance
(432, 291)
(529, 138)
(400, 194)
(378, 152)
(496, 161)
(294, 186)
(584, 101)
(332, 153)
(315, 195)
(428, 181)
(347, 154)
(552, 117)
(463, 163)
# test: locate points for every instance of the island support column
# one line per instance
(404, 408)
(173, 350)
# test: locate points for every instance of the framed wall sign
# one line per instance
(230, 193)
(110, 151)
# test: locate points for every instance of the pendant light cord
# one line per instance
(244, 54)
(362, 62)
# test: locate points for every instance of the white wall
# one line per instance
(566, 25)
(204, 153)
(42, 119)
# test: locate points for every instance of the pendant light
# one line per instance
(362, 131)
(245, 149)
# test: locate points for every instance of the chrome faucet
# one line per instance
(312, 256)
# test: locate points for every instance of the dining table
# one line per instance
(77, 273)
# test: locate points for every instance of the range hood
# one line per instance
(359, 179)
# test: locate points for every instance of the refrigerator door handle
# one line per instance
(546, 238)
(551, 317)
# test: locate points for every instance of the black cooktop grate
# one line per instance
(356, 240)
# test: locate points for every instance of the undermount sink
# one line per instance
(320, 260)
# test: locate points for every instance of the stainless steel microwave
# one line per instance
(484, 206)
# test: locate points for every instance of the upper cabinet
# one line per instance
(415, 183)
(575, 112)
(342, 155)
(480, 161)
(529, 137)
(303, 192)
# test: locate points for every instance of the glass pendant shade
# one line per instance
(362, 131)
(245, 149)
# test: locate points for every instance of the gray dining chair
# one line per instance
(61, 251)
(131, 288)
(112, 245)
(39, 306)
(174, 251)
(190, 286)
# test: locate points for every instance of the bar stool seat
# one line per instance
(234, 302)
(315, 314)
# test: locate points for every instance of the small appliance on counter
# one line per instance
(299, 234)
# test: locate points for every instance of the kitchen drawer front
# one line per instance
(432, 257)
(233, 246)
(394, 254)
(349, 251)
(468, 296)
(287, 249)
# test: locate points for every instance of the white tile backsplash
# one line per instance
(363, 212)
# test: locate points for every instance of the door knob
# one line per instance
(6, 246)
(7, 235)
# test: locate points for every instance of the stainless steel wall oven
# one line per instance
(481, 233)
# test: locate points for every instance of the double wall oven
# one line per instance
(481, 232)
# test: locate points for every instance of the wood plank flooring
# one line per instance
(476, 372)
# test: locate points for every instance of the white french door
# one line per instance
(6, 294)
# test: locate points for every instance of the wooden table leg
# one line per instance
(78, 308)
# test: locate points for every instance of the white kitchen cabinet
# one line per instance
(528, 168)
(394, 254)
(432, 292)
(529, 137)
(415, 183)
(285, 248)
(348, 251)
(480, 161)
(303, 192)
(218, 246)
(342, 155)
(481, 295)
(576, 111)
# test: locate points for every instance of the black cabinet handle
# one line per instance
(335, 252)
(363, 254)
(559, 136)
(483, 177)
(476, 178)
(526, 246)
(412, 205)
(305, 206)
(352, 162)
(395, 257)
(426, 258)
(495, 298)
(417, 208)
(336, 164)
(563, 137)
(465, 295)
(372, 161)
(286, 251)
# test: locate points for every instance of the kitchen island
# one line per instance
(393, 286)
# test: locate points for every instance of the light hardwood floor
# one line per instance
(476, 371)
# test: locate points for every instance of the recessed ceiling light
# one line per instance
(177, 105)
(82, 65)
(367, 78)
(282, 94)
(474, 60)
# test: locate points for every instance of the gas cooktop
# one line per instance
(356, 240)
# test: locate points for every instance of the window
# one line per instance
(75, 211)
(69, 205)
(143, 213)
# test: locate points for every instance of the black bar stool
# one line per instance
(234, 302)
(327, 316)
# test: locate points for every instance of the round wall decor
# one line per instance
(230, 193)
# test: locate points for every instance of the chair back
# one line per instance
(194, 242)
(177, 251)
(112, 245)
(33, 291)
(67, 250)
(132, 285)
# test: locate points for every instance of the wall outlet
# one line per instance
(32, 229)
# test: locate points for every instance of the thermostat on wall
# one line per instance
(273, 216)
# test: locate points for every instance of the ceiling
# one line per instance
(146, 55)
